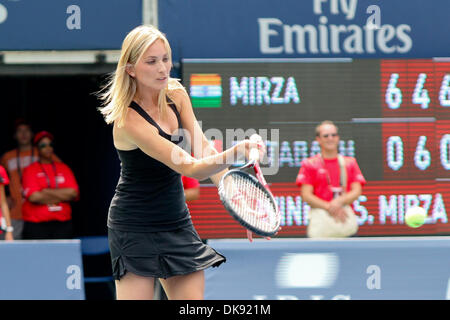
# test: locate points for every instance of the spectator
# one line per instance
(7, 230)
(15, 161)
(49, 186)
(330, 183)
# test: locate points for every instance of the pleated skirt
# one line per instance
(160, 254)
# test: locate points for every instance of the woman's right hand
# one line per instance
(243, 148)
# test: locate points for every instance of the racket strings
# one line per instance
(251, 202)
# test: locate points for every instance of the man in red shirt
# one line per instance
(15, 161)
(48, 186)
(320, 181)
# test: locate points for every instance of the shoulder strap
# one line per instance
(343, 172)
(175, 110)
(144, 114)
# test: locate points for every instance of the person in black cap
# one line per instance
(49, 187)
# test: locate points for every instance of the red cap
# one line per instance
(40, 135)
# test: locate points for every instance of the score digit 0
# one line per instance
(445, 151)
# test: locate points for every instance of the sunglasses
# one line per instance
(44, 145)
(329, 134)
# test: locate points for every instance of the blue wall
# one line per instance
(41, 270)
(59, 25)
(354, 268)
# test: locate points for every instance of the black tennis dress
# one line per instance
(150, 231)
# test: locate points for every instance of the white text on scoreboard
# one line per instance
(263, 90)
(391, 209)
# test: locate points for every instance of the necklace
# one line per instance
(149, 109)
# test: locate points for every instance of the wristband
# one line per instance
(9, 229)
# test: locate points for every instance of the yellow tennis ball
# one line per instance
(415, 217)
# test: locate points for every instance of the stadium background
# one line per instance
(56, 55)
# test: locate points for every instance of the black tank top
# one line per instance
(149, 195)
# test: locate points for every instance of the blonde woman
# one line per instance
(149, 227)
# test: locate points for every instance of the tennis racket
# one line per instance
(248, 199)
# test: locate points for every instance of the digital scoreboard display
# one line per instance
(393, 117)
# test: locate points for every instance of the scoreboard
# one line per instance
(393, 117)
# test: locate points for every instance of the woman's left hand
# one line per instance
(250, 235)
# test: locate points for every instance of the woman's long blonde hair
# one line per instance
(118, 93)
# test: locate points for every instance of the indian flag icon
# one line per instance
(206, 90)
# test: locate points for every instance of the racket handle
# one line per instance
(254, 152)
